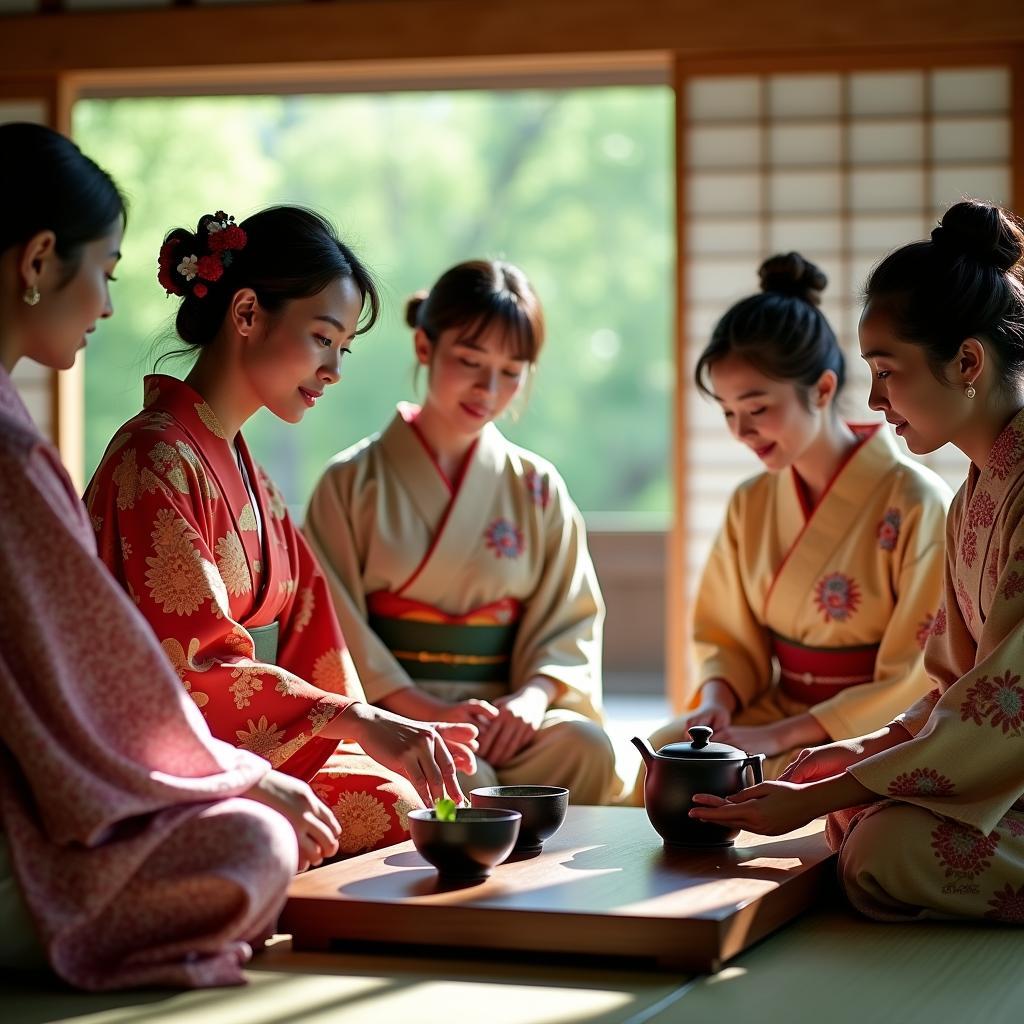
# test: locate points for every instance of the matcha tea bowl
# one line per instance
(469, 846)
(542, 807)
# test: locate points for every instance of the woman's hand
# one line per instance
(774, 808)
(412, 702)
(835, 758)
(769, 809)
(519, 717)
(315, 825)
(477, 712)
(426, 753)
(713, 715)
(757, 739)
(796, 731)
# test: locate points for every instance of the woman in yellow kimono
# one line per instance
(200, 538)
(929, 810)
(458, 562)
(820, 589)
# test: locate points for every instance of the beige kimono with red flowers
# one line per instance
(948, 839)
(825, 609)
(408, 552)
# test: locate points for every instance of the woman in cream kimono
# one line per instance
(458, 562)
(928, 811)
(820, 589)
(200, 538)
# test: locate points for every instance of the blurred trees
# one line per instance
(575, 186)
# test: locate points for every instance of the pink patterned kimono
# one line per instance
(947, 839)
(136, 863)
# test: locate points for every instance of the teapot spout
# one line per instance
(646, 751)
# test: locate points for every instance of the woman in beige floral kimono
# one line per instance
(458, 562)
(928, 812)
(819, 591)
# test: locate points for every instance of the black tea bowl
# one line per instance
(542, 807)
(468, 847)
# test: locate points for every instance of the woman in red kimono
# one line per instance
(928, 812)
(126, 857)
(200, 538)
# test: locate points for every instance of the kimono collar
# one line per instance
(11, 405)
(826, 525)
(416, 467)
(168, 394)
(873, 453)
(1005, 459)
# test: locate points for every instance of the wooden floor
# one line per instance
(830, 967)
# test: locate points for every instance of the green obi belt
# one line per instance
(264, 640)
(447, 652)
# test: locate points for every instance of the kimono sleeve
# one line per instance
(94, 722)
(311, 642)
(561, 632)
(900, 675)
(730, 642)
(159, 533)
(329, 528)
(965, 762)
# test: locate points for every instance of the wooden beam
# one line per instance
(67, 387)
(1017, 131)
(351, 30)
(678, 628)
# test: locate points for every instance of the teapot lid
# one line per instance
(700, 746)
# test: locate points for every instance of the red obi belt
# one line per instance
(814, 674)
(432, 645)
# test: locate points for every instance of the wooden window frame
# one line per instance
(377, 45)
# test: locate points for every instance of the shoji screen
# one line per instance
(842, 167)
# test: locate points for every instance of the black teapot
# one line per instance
(679, 770)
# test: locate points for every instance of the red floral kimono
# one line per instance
(947, 837)
(238, 602)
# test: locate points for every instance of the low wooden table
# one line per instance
(603, 886)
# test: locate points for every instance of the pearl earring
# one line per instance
(969, 390)
(30, 296)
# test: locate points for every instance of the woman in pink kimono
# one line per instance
(135, 849)
(927, 813)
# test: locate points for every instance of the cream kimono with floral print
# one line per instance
(949, 841)
(826, 609)
(502, 548)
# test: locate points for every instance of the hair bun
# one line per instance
(986, 234)
(413, 306)
(191, 261)
(791, 274)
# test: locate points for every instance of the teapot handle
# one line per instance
(756, 765)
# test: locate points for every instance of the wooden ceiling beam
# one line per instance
(401, 30)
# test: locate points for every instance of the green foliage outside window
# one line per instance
(573, 185)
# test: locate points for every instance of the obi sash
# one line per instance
(264, 641)
(814, 674)
(431, 645)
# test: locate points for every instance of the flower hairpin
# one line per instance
(181, 272)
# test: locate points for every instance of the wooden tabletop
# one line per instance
(604, 885)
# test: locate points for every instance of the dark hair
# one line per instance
(966, 281)
(282, 253)
(477, 294)
(781, 331)
(49, 184)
